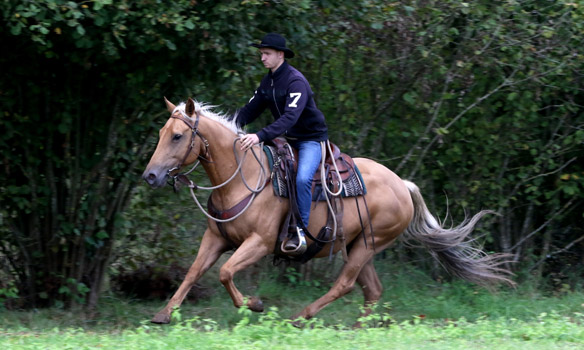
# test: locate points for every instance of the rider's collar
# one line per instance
(279, 72)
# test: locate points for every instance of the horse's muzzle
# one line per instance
(155, 179)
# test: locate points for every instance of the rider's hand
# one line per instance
(249, 140)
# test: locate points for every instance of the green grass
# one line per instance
(271, 332)
(407, 293)
(415, 311)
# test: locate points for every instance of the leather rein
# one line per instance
(181, 178)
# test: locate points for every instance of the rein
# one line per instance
(262, 181)
(183, 179)
(226, 216)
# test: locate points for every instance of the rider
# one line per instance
(289, 97)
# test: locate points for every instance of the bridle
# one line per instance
(181, 177)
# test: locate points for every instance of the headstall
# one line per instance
(182, 177)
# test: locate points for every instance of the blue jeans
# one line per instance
(309, 155)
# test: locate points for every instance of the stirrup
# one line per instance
(300, 248)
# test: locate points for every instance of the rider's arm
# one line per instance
(296, 99)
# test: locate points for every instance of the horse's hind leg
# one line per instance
(211, 249)
(359, 258)
(250, 251)
(371, 286)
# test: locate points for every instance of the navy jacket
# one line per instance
(290, 99)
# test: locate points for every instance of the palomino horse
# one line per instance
(194, 132)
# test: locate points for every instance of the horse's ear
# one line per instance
(190, 107)
(169, 105)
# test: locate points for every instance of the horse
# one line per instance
(195, 131)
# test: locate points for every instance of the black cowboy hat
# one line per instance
(276, 42)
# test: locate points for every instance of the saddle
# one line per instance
(283, 162)
(280, 154)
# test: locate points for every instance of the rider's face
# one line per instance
(272, 59)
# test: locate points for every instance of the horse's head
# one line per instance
(178, 144)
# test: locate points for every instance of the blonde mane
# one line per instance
(208, 111)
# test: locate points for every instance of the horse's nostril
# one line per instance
(150, 178)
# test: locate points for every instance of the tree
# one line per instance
(80, 102)
(479, 99)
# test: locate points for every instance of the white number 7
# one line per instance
(296, 97)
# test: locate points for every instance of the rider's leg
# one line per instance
(309, 156)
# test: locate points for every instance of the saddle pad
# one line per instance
(353, 186)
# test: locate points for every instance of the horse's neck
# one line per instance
(222, 162)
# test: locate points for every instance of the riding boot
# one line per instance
(295, 245)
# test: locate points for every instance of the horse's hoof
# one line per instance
(297, 322)
(161, 318)
(255, 304)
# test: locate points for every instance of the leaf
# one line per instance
(99, 20)
(409, 9)
(442, 131)
(189, 24)
(17, 29)
(548, 33)
(63, 128)
(377, 25)
(170, 45)
(410, 97)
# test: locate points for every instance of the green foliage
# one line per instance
(6, 293)
(76, 290)
(272, 332)
(408, 294)
(295, 277)
(81, 103)
(422, 312)
(153, 234)
(480, 100)
(475, 99)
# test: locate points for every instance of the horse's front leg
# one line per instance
(211, 249)
(251, 250)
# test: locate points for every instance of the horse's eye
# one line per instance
(176, 137)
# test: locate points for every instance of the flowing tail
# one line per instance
(453, 248)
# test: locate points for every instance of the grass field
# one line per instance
(271, 332)
(415, 312)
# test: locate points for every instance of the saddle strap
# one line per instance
(363, 225)
(226, 214)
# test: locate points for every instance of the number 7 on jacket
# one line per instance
(296, 96)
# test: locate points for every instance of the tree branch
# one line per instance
(506, 82)
(521, 241)
(565, 249)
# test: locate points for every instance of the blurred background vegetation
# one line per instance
(479, 103)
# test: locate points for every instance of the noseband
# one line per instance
(182, 177)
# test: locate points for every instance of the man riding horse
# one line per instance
(296, 117)
(195, 133)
